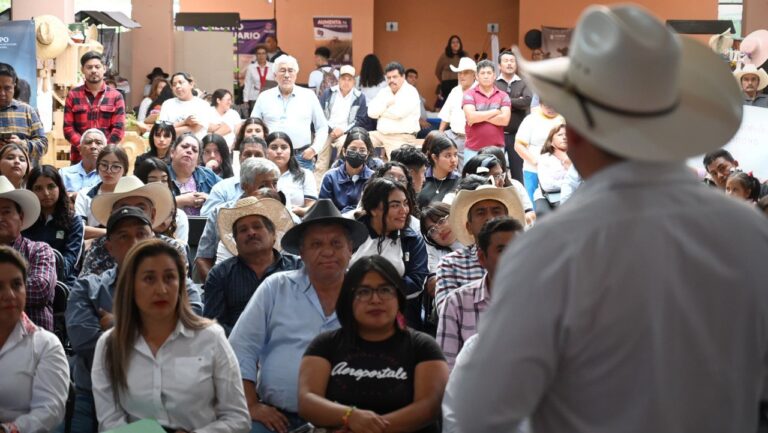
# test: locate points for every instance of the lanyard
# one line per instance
(262, 77)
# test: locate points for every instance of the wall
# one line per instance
(216, 71)
(425, 25)
(294, 23)
(153, 43)
(27, 9)
(755, 16)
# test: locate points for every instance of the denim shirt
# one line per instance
(274, 330)
(204, 177)
(341, 189)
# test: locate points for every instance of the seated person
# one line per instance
(229, 189)
(491, 166)
(297, 183)
(343, 185)
(216, 156)
(112, 164)
(413, 158)
(35, 372)
(89, 307)
(374, 374)
(397, 109)
(14, 164)
(191, 183)
(176, 225)
(85, 173)
(161, 136)
(251, 231)
(441, 177)
(155, 330)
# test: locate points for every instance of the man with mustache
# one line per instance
(397, 109)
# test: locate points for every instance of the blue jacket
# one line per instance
(204, 177)
(358, 114)
(69, 242)
(341, 189)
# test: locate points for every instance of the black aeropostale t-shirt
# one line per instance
(376, 376)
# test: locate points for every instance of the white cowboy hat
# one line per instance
(749, 69)
(51, 36)
(465, 64)
(721, 43)
(755, 47)
(465, 199)
(636, 89)
(131, 186)
(26, 199)
(269, 208)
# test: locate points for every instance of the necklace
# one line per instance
(440, 185)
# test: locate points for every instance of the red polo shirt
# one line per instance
(485, 134)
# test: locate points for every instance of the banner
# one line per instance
(250, 34)
(335, 33)
(749, 146)
(17, 48)
(555, 41)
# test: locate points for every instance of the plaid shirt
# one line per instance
(459, 318)
(21, 119)
(83, 111)
(455, 270)
(98, 260)
(41, 280)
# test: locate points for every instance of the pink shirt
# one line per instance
(485, 134)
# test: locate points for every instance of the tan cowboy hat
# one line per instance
(269, 208)
(131, 186)
(26, 199)
(636, 89)
(465, 199)
(51, 35)
(748, 69)
(755, 47)
(721, 43)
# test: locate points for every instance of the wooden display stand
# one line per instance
(58, 146)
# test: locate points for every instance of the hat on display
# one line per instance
(26, 199)
(269, 208)
(721, 43)
(465, 199)
(131, 186)
(749, 69)
(755, 47)
(157, 72)
(602, 87)
(465, 64)
(324, 212)
(51, 36)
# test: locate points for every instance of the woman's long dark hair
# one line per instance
(434, 212)
(352, 281)
(293, 164)
(371, 72)
(449, 52)
(241, 132)
(166, 128)
(226, 158)
(165, 94)
(434, 144)
(62, 218)
(376, 193)
(381, 172)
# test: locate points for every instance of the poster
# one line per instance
(336, 34)
(250, 34)
(17, 48)
(555, 41)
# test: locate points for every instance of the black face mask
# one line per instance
(355, 159)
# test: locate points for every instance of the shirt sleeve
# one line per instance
(74, 246)
(446, 281)
(213, 292)
(250, 334)
(206, 247)
(37, 143)
(425, 348)
(69, 119)
(108, 410)
(320, 124)
(416, 268)
(378, 104)
(448, 328)
(309, 185)
(445, 111)
(41, 276)
(82, 321)
(216, 196)
(467, 98)
(117, 124)
(82, 203)
(405, 105)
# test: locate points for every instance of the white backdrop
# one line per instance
(208, 56)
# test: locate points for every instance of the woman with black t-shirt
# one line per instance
(374, 374)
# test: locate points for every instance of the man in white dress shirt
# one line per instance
(452, 118)
(629, 309)
(397, 109)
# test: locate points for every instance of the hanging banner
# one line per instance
(250, 34)
(335, 33)
(17, 48)
(555, 41)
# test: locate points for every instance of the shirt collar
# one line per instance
(181, 330)
(636, 173)
(515, 77)
(481, 294)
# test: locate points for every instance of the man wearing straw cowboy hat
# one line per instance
(251, 231)
(288, 310)
(625, 311)
(752, 80)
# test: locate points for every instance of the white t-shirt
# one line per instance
(295, 191)
(340, 111)
(142, 114)
(316, 76)
(176, 110)
(231, 118)
(533, 132)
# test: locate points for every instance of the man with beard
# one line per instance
(19, 122)
(93, 105)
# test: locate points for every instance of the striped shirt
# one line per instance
(484, 134)
(455, 270)
(83, 110)
(22, 120)
(460, 316)
(41, 280)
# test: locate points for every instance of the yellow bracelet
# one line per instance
(345, 418)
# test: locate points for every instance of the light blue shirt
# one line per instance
(75, 178)
(293, 115)
(225, 191)
(274, 330)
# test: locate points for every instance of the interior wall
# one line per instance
(153, 43)
(215, 70)
(755, 16)
(424, 27)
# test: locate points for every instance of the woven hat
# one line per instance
(323, 211)
(51, 36)
(269, 208)
(465, 199)
(749, 69)
(131, 186)
(26, 199)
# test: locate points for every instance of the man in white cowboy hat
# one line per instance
(453, 121)
(397, 108)
(288, 310)
(487, 109)
(19, 122)
(19, 209)
(89, 307)
(620, 312)
(472, 207)
(251, 231)
(753, 80)
(155, 199)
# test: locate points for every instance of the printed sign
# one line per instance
(335, 33)
(17, 48)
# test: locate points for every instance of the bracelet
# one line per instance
(345, 418)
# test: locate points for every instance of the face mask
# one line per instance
(355, 159)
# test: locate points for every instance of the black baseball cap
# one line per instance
(126, 212)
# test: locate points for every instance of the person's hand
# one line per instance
(212, 127)
(269, 416)
(336, 133)
(200, 198)
(431, 284)
(186, 200)
(366, 421)
(106, 319)
(530, 218)
(192, 121)
(15, 140)
(424, 123)
(212, 164)
(309, 153)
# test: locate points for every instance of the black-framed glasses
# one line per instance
(384, 293)
(110, 168)
(438, 225)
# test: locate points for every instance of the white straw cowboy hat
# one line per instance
(269, 208)
(636, 89)
(26, 199)
(721, 43)
(465, 199)
(755, 47)
(51, 36)
(131, 186)
(465, 64)
(749, 69)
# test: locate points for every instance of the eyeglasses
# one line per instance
(385, 293)
(110, 168)
(438, 225)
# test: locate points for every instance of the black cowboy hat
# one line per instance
(323, 211)
(157, 72)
